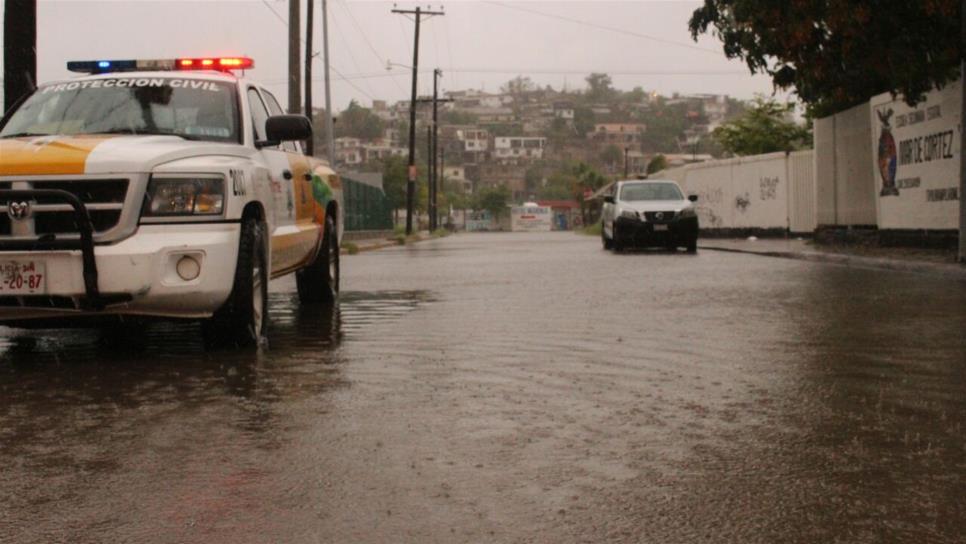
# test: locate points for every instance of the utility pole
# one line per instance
(962, 142)
(442, 172)
(19, 50)
(294, 64)
(329, 118)
(433, 138)
(431, 167)
(433, 187)
(411, 185)
(626, 149)
(309, 8)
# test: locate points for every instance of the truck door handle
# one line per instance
(287, 174)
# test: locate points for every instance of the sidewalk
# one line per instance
(935, 263)
(372, 244)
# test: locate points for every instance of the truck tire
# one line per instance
(693, 245)
(319, 282)
(608, 243)
(243, 318)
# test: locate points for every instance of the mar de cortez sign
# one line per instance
(916, 155)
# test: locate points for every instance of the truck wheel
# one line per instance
(243, 318)
(616, 242)
(608, 243)
(319, 282)
(693, 245)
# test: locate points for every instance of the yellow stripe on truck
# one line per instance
(47, 155)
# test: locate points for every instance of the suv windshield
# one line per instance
(189, 108)
(651, 191)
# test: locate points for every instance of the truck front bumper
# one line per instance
(137, 277)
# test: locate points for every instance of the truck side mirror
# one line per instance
(693, 198)
(286, 128)
(609, 199)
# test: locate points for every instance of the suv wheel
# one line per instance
(319, 282)
(243, 318)
(607, 242)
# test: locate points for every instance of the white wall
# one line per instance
(844, 182)
(915, 160)
(772, 191)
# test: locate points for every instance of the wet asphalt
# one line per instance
(510, 388)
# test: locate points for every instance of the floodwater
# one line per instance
(510, 388)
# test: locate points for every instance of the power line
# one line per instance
(358, 27)
(604, 27)
(333, 68)
(348, 47)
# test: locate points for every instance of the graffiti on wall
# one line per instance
(742, 202)
(768, 188)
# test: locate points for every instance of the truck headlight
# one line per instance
(629, 214)
(185, 196)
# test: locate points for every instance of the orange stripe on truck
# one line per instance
(46, 155)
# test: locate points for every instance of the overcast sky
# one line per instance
(477, 44)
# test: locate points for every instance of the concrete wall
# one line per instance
(844, 181)
(802, 214)
(915, 157)
(775, 192)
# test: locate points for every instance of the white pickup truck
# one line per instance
(161, 189)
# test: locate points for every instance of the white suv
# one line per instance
(650, 212)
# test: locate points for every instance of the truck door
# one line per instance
(295, 237)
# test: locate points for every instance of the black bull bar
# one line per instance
(92, 300)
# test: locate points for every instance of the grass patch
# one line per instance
(441, 233)
(400, 239)
(399, 229)
(350, 248)
(592, 230)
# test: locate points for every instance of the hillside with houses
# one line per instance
(532, 143)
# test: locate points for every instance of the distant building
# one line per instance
(349, 151)
(617, 133)
(514, 148)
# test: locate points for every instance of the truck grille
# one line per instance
(104, 199)
(653, 218)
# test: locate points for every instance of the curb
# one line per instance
(379, 243)
(948, 271)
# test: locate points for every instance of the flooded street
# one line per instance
(510, 388)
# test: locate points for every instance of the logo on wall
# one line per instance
(887, 156)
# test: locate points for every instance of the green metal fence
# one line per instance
(366, 207)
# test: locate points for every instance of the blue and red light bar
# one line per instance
(220, 64)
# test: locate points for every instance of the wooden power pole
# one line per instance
(294, 62)
(310, 143)
(19, 50)
(411, 184)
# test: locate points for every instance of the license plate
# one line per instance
(22, 278)
(660, 227)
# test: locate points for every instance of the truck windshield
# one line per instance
(190, 108)
(650, 191)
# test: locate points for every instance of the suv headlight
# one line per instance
(629, 214)
(185, 196)
(686, 212)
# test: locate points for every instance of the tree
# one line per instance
(533, 178)
(584, 120)
(611, 155)
(764, 128)
(599, 87)
(839, 53)
(493, 199)
(518, 86)
(657, 163)
(358, 122)
(394, 179)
